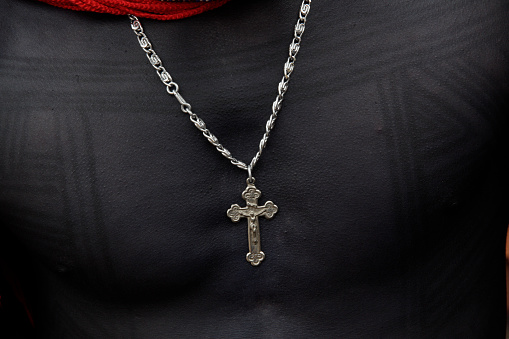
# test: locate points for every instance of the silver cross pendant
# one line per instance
(252, 211)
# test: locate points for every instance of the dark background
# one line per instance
(387, 163)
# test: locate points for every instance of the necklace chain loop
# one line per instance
(173, 88)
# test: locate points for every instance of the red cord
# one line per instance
(153, 9)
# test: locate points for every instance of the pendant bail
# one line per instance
(250, 178)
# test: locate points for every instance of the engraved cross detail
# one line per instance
(252, 211)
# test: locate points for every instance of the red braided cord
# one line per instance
(153, 9)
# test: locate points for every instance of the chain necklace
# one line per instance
(251, 194)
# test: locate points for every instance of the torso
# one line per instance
(386, 164)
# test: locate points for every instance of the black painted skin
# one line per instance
(386, 163)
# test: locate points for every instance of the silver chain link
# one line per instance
(173, 89)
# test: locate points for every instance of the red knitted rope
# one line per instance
(153, 9)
